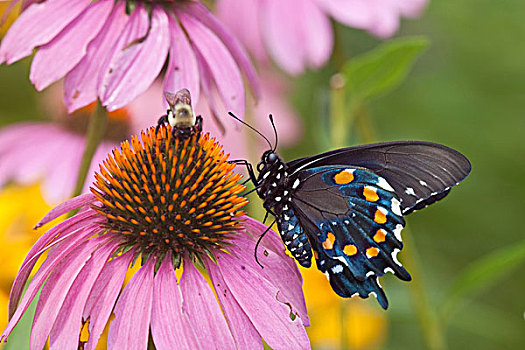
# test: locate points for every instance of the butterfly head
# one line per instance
(269, 159)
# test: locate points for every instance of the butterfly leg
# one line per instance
(259, 242)
(249, 168)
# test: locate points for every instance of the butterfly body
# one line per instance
(346, 207)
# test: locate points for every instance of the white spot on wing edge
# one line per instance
(397, 232)
(296, 183)
(410, 191)
(396, 207)
(384, 185)
(394, 256)
(369, 273)
(423, 183)
(389, 269)
(337, 268)
(341, 259)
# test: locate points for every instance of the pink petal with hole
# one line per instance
(183, 70)
(57, 287)
(103, 295)
(65, 331)
(81, 83)
(54, 59)
(130, 328)
(37, 25)
(170, 326)
(57, 234)
(243, 331)
(270, 315)
(65, 207)
(137, 66)
(279, 269)
(221, 64)
(136, 28)
(204, 313)
(200, 12)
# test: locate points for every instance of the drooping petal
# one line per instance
(279, 269)
(200, 12)
(317, 31)
(37, 25)
(103, 295)
(81, 83)
(204, 313)
(170, 326)
(183, 70)
(221, 64)
(130, 328)
(272, 318)
(53, 60)
(65, 331)
(56, 288)
(65, 207)
(71, 226)
(137, 66)
(135, 29)
(54, 257)
(243, 331)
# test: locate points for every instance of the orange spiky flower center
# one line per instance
(163, 194)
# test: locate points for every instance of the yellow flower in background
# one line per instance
(21, 208)
(365, 325)
(10, 17)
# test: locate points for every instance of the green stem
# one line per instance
(96, 129)
(339, 119)
(431, 327)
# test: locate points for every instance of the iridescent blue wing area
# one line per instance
(353, 221)
(421, 173)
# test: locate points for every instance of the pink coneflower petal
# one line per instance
(136, 29)
(103, 295)
(268, 311)
(203, 311)
(42, 274)
(136, 67)
(183, 69)
(73, 224)
(66, 207)
(130, 328)
(56, 288)
(220, 62)
(54, 59)
(37, 25)
(170, 326)
(199, 11)
(283, 272)
(64, 334)
(243, 331)
(80, 84)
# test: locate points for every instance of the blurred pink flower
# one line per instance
(89, 255)
(114, 50)
(51, 151)
(297, 33)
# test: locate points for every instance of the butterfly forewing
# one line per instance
(419, 172)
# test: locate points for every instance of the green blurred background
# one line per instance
(467, 91)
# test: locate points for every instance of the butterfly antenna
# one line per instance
(251, 127)
(275, 133)
(259, 242)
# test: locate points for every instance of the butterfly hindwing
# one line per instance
(419, 172)
(353, 221)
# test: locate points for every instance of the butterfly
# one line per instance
(346, 207)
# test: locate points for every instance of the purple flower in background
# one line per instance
(51, 151)
(162, 203)
(114, 50)
(297, 34)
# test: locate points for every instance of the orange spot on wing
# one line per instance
(372, 252)
(370, 194)
(350, 249)
(380, 217)
(329, 242)
(380, 236)
(344, 177)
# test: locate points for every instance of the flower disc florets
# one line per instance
(163, 194)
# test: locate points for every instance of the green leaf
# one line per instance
(483, 274)
(19, 337)
(382, 69)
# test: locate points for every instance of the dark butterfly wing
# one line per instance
(353, 221)
(419, 172)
